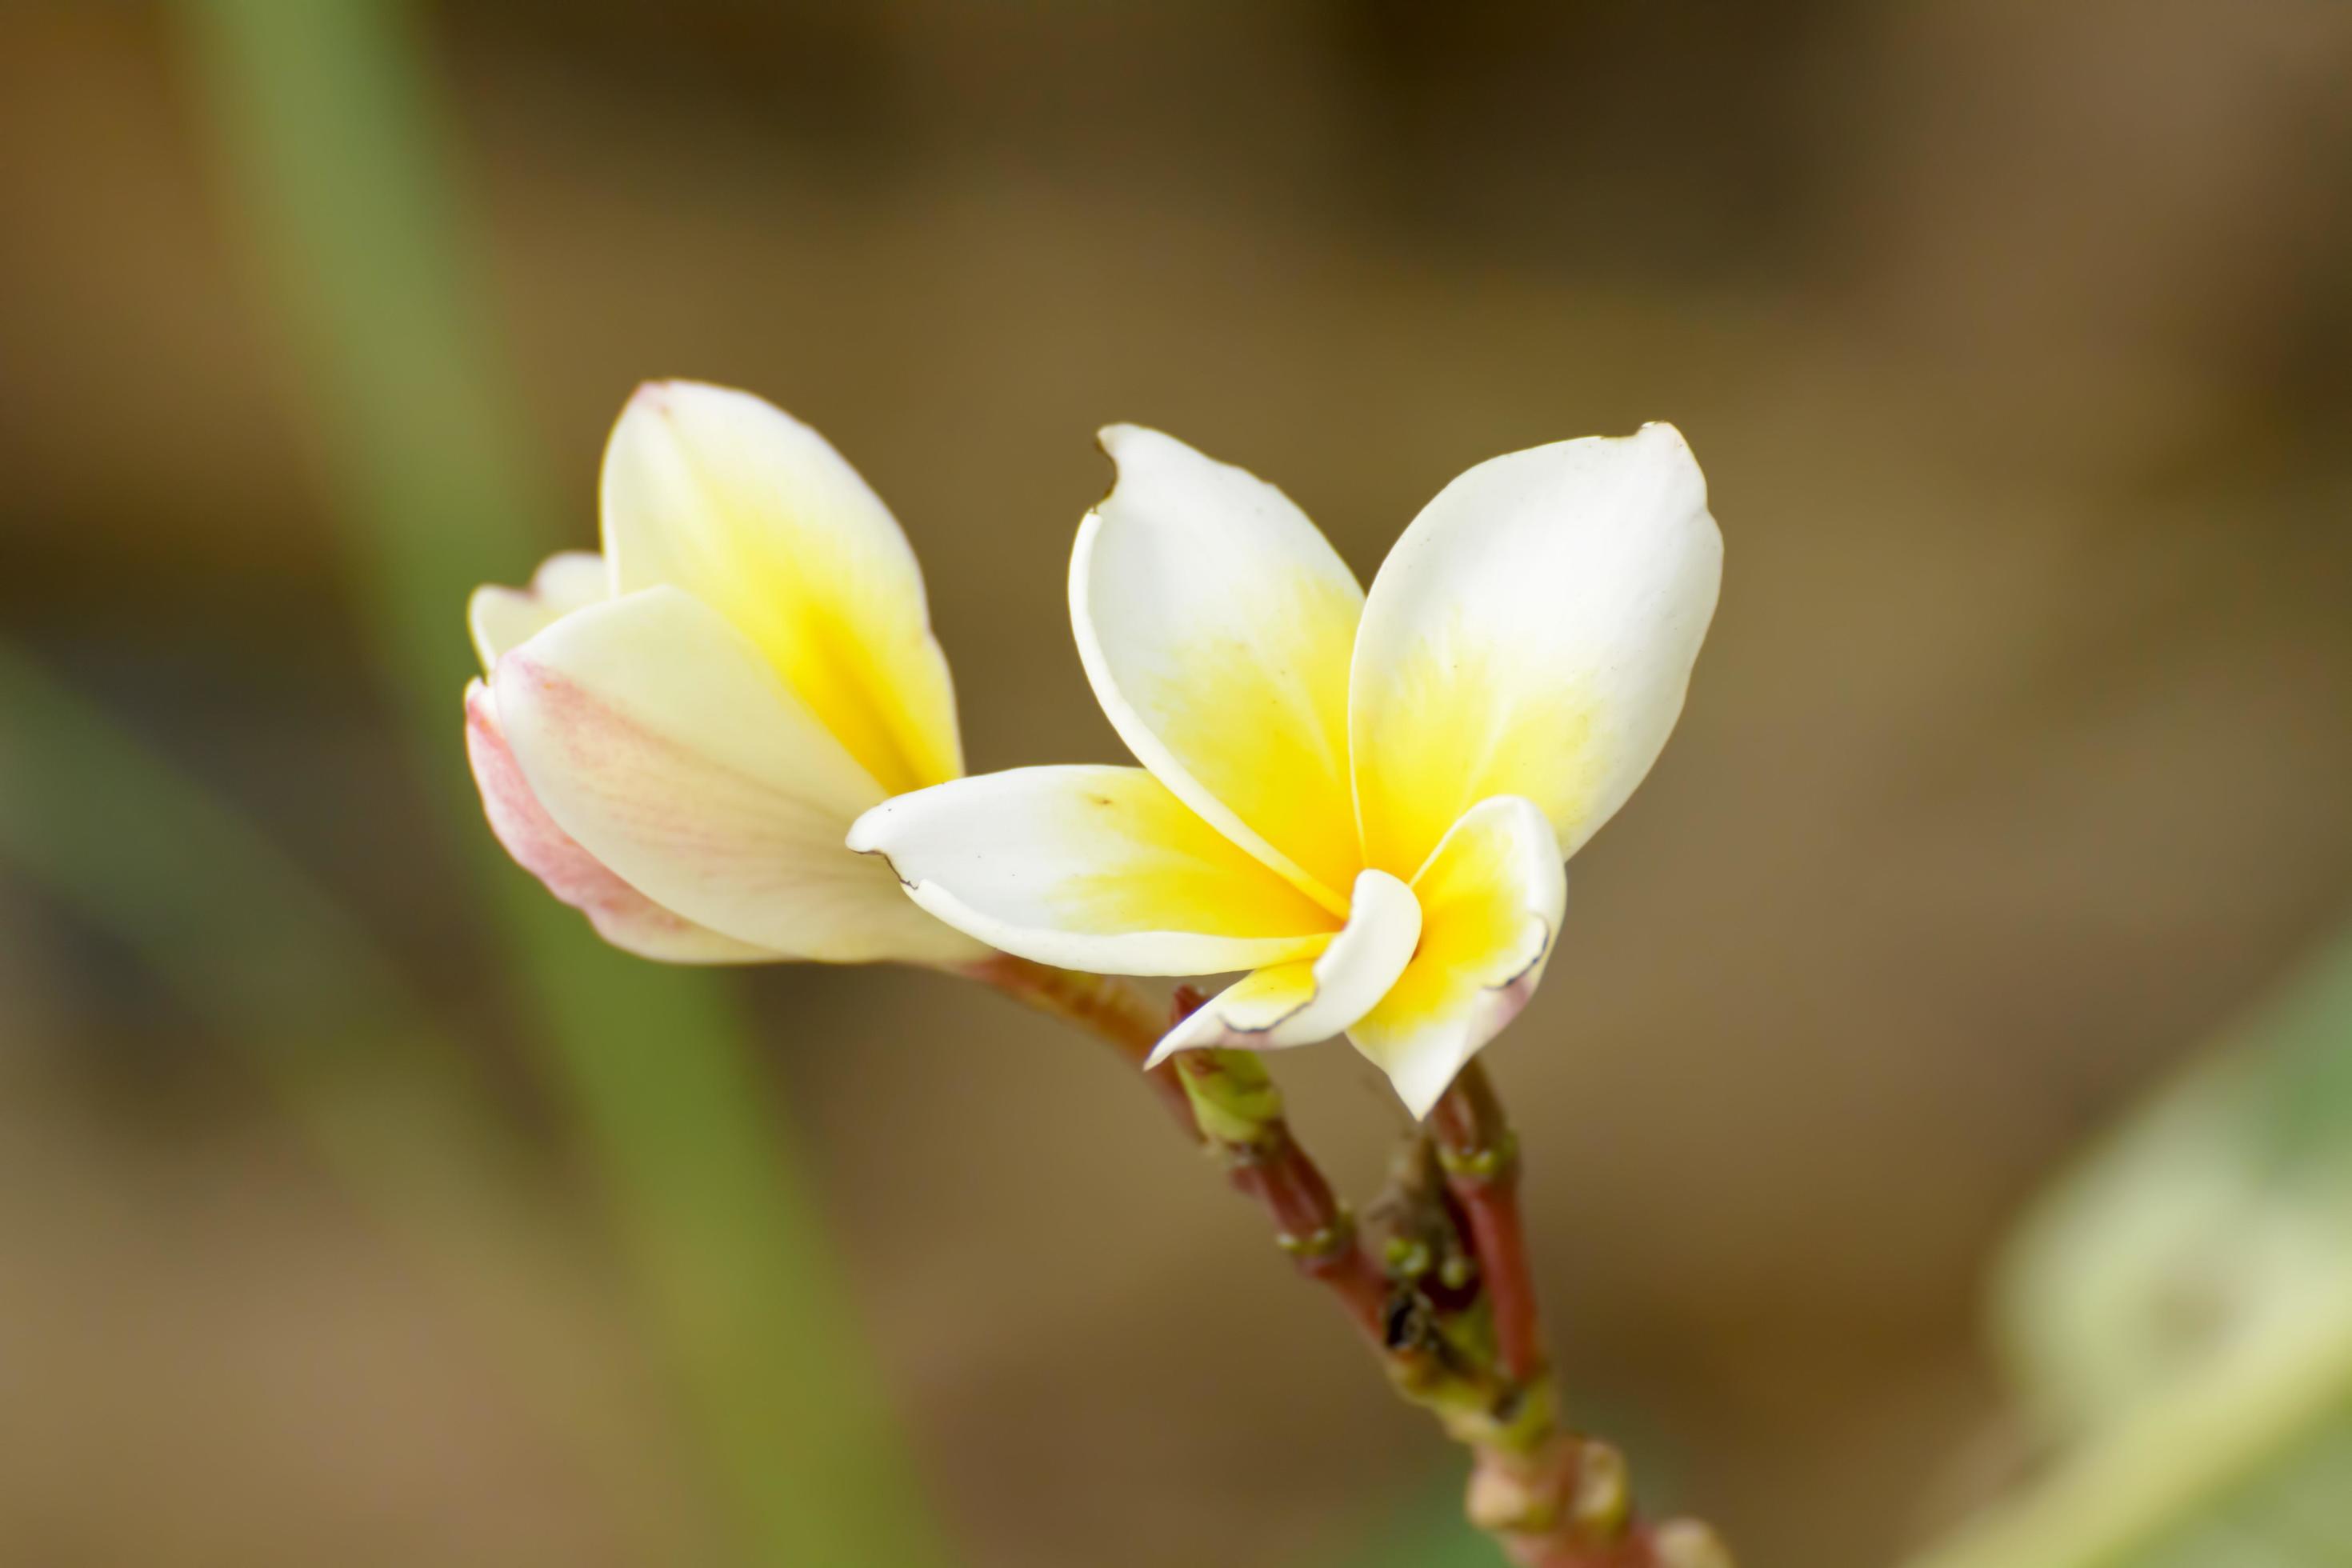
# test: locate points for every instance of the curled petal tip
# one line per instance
(856, 841)
(1666, 437)
(1304, 1001)
(865, 836)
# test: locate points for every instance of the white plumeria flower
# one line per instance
(1365, 801)
(674, 735)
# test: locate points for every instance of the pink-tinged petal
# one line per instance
(621, 915)
(655, 734)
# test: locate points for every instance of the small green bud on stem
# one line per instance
(1239, 1112)
(1448, 1303)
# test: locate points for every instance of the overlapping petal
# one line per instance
(1091, 867)
(1307, 1000)
(659, 739)
(504, 619)
(621, 915)
(1531, 634)
(728, 498)
(1491, 900)
(1215, 623)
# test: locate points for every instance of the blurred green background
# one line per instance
(355, 1207)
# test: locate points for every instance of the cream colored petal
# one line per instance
(1307, 1000)
(654, 735)
(621, 915)
(1532, 633)
(504, 619)
(755, 514)
(1491, 900)
(1090, 867)
(1215, 623)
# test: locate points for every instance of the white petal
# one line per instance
(1532, 634)
(504, 619)
(1215, 623)
(621, 915)
(1304, 1001)
(1090, 867)
(755, 514)
(656, 735)
(1492, 897)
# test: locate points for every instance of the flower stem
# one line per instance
(1465, 1343)
(1240, 1115)
(1480, 1154)
(1553, 1498)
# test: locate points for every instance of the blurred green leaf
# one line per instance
(257, 950)
(273, 966)
(2176, 1317)
(325, 113)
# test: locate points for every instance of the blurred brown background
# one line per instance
(2016, 338)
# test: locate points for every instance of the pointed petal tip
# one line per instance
(1304, 1001)
(498, 617)
(719, 492)
(1206, 1027)
(1124, 444)
(658, 399)
(1556, 598)
(1420, 1096)
(1111, 438)
(481, 708)
(660, 394)
(672, 396)
(865, 835)
(1668, 445)
(1421, 1077)
(1088, 868)
(1187, 554)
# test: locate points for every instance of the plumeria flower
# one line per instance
(1365, 801)
(674, 734)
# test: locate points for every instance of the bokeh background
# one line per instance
(354, 1208)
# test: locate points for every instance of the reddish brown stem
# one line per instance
(1554, 1499)
(1262, 1159)
(1481, 1157)
(1239, 1114)
(1311, 1225)
(1550, 1498)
